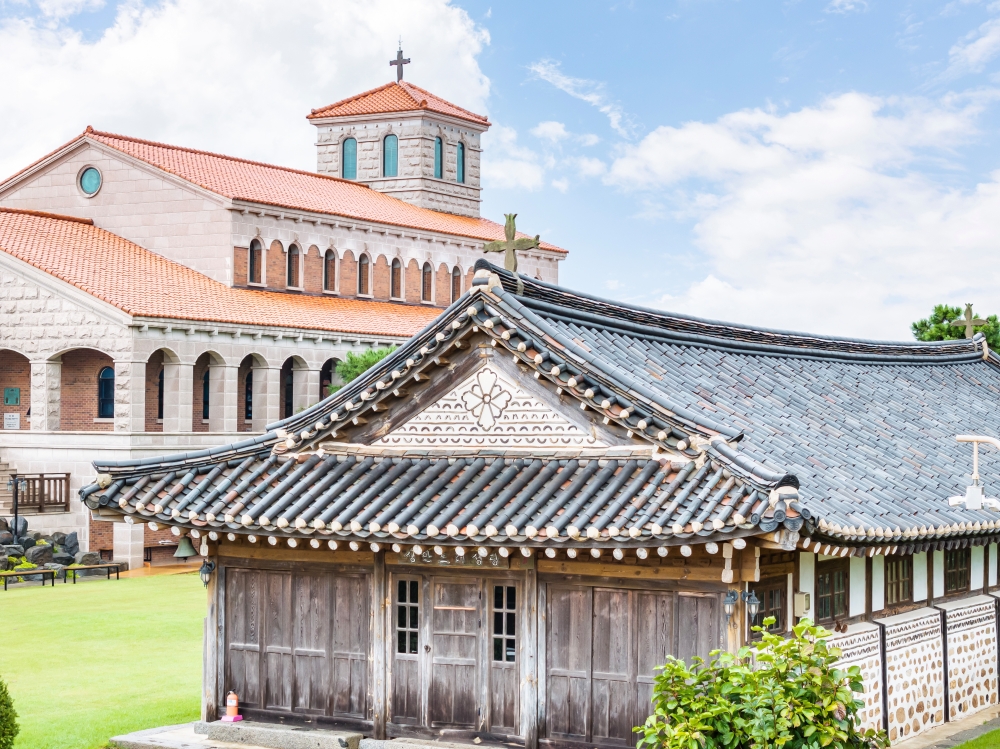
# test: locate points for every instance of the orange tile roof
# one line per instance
(144, 284)
(400, 96)
(255, 182)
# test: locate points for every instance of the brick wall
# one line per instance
(102, 535)
(15, 372)
(348, 275)
(240, 260)
(312, 270)
(442, 286)
(380, 278)
(412, 284)
(78, 391)
(275, 266)
(153, 368)
(198, 422)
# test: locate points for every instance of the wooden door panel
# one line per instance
(407, 646)
(311, 643)
(611, 699)
(243, 635)
(352, 623)
(455, 630)
(654, 642)
(504, 654)
(697, 625)
(504, 688)
(568, 656)
(278, 665)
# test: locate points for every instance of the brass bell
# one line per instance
(185, 549)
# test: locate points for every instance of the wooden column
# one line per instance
(211, 649)
(379, 646)
(530, 665)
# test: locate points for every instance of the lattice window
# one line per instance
(773, 596)
(898, 580)
(956, 570)
(504, 623)
(832, 590)
(407, 616)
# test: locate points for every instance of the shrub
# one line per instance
(8, 718)
(356, 364)
(778, 692)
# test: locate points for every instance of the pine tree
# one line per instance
(8, 719)
(356, 364)
(938, 327)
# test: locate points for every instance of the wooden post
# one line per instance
(210, 647)
(379, 645)
(530, 702)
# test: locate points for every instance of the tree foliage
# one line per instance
(938, 326)
(8, 718)
(775, 693)
(357, 364)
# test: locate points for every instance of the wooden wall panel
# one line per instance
(654, 642)
(351, 628)
(455, 632)
(278, 641)
(612, 676)
(698, 622)
(243, 636)
(311, 640)
(568, 652)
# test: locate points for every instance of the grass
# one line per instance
(94, 660)
(989, 740)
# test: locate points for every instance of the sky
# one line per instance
(831, 166)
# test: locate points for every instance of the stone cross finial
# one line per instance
(399, 62)
(510, 246)
(968, 321)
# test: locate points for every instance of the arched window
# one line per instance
(396, 279)
(255, 262)
(248, 397)
(159, 395)
(460, 163)
(390, 156)
(427, 283)
(204, 394)
(438, 157)
(106, 393)
(293, 260)
(287, 389)
(456, 283)
(364, 268)
(330, 271)
(349, 159)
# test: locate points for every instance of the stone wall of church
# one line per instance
(169, 217)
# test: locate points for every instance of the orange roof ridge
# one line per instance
(349, 99)
(407, 84)
(47, 214)
(396, 96)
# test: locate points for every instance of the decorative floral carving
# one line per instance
(486, 399)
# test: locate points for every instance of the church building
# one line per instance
(158, 298)
(501, 530)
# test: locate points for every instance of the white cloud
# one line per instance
(507, 164)
(552, 131)
(819, 219)
(971, 54)
(588, 139)
(591, 92)
(198, 73)
(589, 167)
(846, 6)
(562, 184)
(58, 9)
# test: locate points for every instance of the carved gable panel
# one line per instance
(489, 409)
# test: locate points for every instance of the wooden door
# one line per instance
(242, 632)
(504, 648)
(455, 622)
(311, 643)
(612, 669)
(407, 646)
(654, 642)
(351, 617)
(278, 670)
(568, 662)
(698, 622)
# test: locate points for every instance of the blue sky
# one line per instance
(828, 166)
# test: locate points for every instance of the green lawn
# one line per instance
(989, 740)
(97, 659)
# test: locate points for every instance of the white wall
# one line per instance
(992, 572)
(878, 583)
(856, 605)
(938, 574)
(807, 579)
(977, 568)
(919, 576)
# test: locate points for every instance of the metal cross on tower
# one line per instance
(510, 245)
(399, 62)
(968, 321)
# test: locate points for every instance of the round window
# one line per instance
(90, 180)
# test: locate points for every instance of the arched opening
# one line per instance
(427, 283)
(438, 157)
(390, 155)
(293, 267)
(156, 389)
(364, 275)
(396, 279)
(106, 393)
(15, 380)
(294, 390)
(349, 159)
(329, 271)
(87, 391)
(255, 262)
(209, 385)
(250, 389)
(460, 163)
(456, 283)
(328, 378)
(206, 399)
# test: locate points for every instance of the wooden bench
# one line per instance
(116, 566)
(27, 573)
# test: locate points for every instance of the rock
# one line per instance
(39, 554)
(123, 567)
(3, 525)
(63, 558)
(3, 562)
(87, 557)
(27, 542)
(13, 550)
(35, 535)
(71, 544)
(6, 537)
(22, 526)
(59, 538)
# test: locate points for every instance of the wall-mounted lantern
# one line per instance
(205, 573)
(733, 597)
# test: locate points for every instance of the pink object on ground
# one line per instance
(231, 718)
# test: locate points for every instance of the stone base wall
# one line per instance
(971, 627)
(860, 646)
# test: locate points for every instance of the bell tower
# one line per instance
(406, 142)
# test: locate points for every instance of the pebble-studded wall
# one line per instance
(915, 669)
(972, 648)
(860, 647)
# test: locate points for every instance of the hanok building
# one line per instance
(158, 298)
(502, 529)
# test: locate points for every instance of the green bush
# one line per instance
(356, 364)
(777, 693)
(8, 718)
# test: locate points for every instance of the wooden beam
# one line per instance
(379, 648)
(264, 552)
(210, 650)
(529, 662)
(632, 572)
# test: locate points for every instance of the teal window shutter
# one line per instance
(460, 163)
(390, 156)
(349, 163)
(437, 158)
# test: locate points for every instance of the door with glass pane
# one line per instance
(407, 661)
(504, 687)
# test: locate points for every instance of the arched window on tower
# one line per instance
(456, 283)
(159, 395)
(438, 157)
(460, 163)
(106, 393)
(248, 397)
(390, 156)
(427, 283)
(364, 275)
(396, 279)
(330, 271)
(205, 390)
(349, 159)
(294, 261)
(255, 263)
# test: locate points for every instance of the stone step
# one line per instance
(272, 736)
